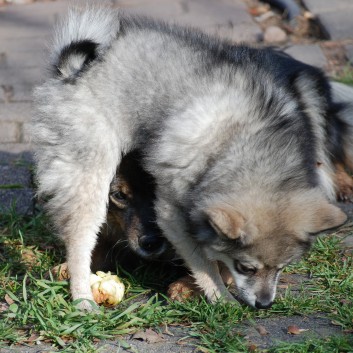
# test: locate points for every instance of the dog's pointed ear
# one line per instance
(225, 222)
(326, 216)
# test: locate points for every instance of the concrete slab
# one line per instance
(165, 10)
(321, 6)
(21, 199)
(224, 18)
(10, 131)
(23, 59)
(308, 53)
(31, 20)
(18, 149)
(12, 175)
(318, 326)
(15, 112)
(229, 20)
(17, 84)
(335, 17)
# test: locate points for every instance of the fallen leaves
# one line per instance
(261, 330)
(61, 272)
(295, 330)
(148, 336)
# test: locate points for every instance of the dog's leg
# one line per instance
(205, 272)
(79, 191)
(344, 183)
(85, 209)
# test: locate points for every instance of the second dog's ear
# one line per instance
(228, 223)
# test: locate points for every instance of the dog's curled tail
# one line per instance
(80, 38)
(343, 95)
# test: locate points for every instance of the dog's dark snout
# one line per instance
(151, 243)
(263, 305)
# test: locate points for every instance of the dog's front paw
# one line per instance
(344, 184)
(83, 300)
(183, 289)
(86, 305)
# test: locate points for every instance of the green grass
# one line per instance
(346, 76)
(40, 309)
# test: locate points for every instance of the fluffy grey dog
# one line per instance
(241, 142)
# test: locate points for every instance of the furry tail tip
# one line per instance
(81, 37)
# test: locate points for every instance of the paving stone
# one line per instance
(15, 148)
(164, 10)
(17, 111)
(34, 20)
(21, 199)
(317, 325)
(274, 34)
(229, 19)
(223, 18)
(20, 45)
(15, 175)
(26, 136)
(178, 343)
(335, 16)
(321, 6)
(22, 59)
(10, 132)
(17, 84)
(308, 53)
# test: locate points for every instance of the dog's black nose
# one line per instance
(264, 305)
(151, 243)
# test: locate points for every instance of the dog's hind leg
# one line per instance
(78, 209)
(76, 176)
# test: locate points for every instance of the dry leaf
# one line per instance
(29, 258)
(61, 272)
(288, 280)
(167, 332)
(148, 336)
(295, 330)
(8, 299)
(345, 301)
(3, 307)
(252, 348)
(261, 330)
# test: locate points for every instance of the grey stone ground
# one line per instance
(24, 33)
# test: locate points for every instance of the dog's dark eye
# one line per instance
(119, 196)
(119, 199)
(245, 270)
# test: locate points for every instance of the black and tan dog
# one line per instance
(131, 234)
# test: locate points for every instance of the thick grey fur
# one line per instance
(219, 127)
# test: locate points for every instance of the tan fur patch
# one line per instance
(226, 222)
(344, 183)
